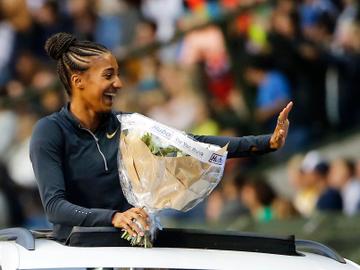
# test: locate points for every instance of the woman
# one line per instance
(74, 151)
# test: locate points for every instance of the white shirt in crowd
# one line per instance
(351, 197)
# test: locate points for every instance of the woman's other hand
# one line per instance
(279, 136)
(127, 220)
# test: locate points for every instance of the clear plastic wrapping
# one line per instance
(161, 167)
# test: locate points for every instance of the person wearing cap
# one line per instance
(308, 191)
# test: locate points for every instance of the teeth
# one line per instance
(110, 94)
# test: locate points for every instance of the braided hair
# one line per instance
(71, 55)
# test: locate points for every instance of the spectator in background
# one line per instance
(82, 15)
(214, 205)
(284, 209)
(233, 206)
(357, 169)
(18, 154)
(166, 21)
(206, 47)
(342, 178)
(329, 198)
(16, 13)
(109, 25)
(312, 10)
(346, 60)
(347, 15)
(203, 123)
(284, 38)
(47, 20)
(258, 196)
(145, 34)
(294, 173)
(26, 66)
(8, 128)
(46, 88)
(273, 90)
(12, 213)
(293, 55)
(181, 107)
(14, 21)
(7, 39)
(307, 193)
(148, 72)
(144, 69)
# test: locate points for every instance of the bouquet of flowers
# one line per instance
(161, 167)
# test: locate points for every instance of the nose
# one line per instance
(117, 83)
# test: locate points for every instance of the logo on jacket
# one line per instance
(111, 135)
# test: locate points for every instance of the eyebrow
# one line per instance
(109, 69)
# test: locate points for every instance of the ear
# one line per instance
(77, 81)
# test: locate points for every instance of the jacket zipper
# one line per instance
(98, 147)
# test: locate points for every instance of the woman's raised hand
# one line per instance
(279, 136)
(127, 220)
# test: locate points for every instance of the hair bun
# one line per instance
(59, 44)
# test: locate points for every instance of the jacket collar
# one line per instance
(65, 111)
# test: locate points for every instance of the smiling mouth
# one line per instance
(108, 94)
(109, 97)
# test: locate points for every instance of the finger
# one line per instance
(136, 228)
(285, 112)
(139, 219)
(141, 212)
(124, 225)
(144, 217)
(130, 221)
(129, 229)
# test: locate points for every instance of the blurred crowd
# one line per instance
(319, 186)
(215, 67)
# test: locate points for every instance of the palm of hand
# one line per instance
(278, 138)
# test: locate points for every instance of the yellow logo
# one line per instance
(110, 136)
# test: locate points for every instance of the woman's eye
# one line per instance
(108, 76)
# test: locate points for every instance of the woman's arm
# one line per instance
(46, 153)
(240, 146)
(254, 145)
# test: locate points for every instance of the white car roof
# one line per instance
(175, 248)
(50, 254)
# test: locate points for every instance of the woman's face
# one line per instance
(100, 83)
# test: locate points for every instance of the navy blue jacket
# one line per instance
(77, 172)
(330, 200)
